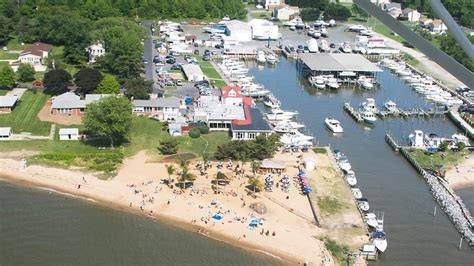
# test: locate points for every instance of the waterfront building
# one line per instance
(238, 31)
(164, 109)
(252, 126)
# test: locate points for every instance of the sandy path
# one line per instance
(461, 175)
(294, 240)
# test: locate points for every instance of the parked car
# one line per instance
(218, 46)
(207, 52)
(179, 82)
(175, 53)
(176, 67)
(201, 82)
(467, 109)
(206, 58)
(332, 45)
(171, 61)
(196, 51)
(196, 44)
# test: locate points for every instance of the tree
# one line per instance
(460, 145)
(109, 118)
(7, 77)
(56, 81)
(255, 167)
(87, 79)
(108, 85)
(194, 133)
(359, 12)
(138, 88)
(25, 73)
(310, 14)
(255, 184)
(443, 146)
(5, 30)
(337, 12)
(170, 170)
(168, 146)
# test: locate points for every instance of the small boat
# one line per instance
(271, 101)
(363, 204)
(391, 107)
(369, 105)
(334, 125)
(313, 46)
(332, 83)
(317, 81)
(345, 47)
(351, 178)
(357, 193)
(371, 220)
(324, 46)
(365, 82)
(292, 28)
(379, 239)
(316, 34)
(324, 32)
(345, 166)
(369, 117)
(287, 126)
(271, 59)
(261, 57)
(277, 114)
(296, 138)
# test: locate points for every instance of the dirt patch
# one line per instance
(45, 115)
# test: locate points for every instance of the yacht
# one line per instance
(363, 204)
(391, 107)
(351, 178)
(334, 125)
(345, 47)
(280, 115)
(296, 138)
(369, 105)
(324, 32)
(293, 23)
(379, 239)
(369, 117)
(365, 82)
(317, 81)
(324, 46)
(371, 220)
(332, 83)
(344, 165)
(286, 126)
(356, 28)
(261, 57)
(271, 101)
(313, 46)
(357, 193)
(271, 59)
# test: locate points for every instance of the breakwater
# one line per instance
(449, 202)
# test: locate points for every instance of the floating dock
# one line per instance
(353, 113)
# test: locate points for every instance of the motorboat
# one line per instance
(324, 46)
(365, 82)
(371, 220)
(296, 138)
(344, 165)
(280, 115)
(324, 32)
(357, 193)
(332, 83)
(287, 126)
(271, 101)
(293, 22)
(261, 57)
(369, 105)
(313, 46)
(351, 178)
(367, 32)
(317, 81)
(369, 117)
(379, 239)
(345, 47)
(271, 59)
(363, 204)
(321, 23)
(278, 110)
(334, 125)
(391, 107)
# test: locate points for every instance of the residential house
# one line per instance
(69, 134)
(271, 4)
(192, 72)
(394, 9)
(285, 12)
(437, 26)
(35, 55)
(71, 104)
(425, 21)
(252, 126)
(7, 103)
(410, 15)
(165, 109)
(95, 51)
(5, 133)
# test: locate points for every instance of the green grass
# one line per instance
(3, 92)
(379, 27)
(328, 205)
(24, 118)
(320, 150)
(212, 74)
(410, 59)
(338, 251)
(5, 55)
(58, 55)
(14, 44)
(197, 146)
(435, 161)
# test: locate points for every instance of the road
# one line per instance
(148, 53)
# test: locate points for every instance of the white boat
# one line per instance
(365, 82)
(351, 178)
(271, 59)
(369, 105)
(334, 125)
(391, 107)
(280, 115)
(356, 28)
(271, 101)
(324, 46)
(313, 46)
(287, 126)
(316, 34)
(345, 166)
(357, 193)
(371, 220)
(317, 81)
(296, 138)
(261, 57)
(379, 239)
(292, 28)
(363, 205)
(345, 47)
(369, 117)
(332, 83)
(324, 32)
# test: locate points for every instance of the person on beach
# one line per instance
(79, 186)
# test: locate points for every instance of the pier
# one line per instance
(353, 113)
(451, 203)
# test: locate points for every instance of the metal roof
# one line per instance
(8, 101)
(69, 131)
(158, 102)
(338, 62)
(190, 70)
(71, 100)
(257, 124)
(5, 131)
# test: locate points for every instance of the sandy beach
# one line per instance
(461, 175)
(283, 232)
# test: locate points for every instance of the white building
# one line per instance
(271, 4)
(94, 51)
(285, 12)
(238, 31)
(5, 133)
(35, 55)
(437, 26)
(192, 72)
(394, 9)
(165, 109)
(410, 15)
(69, 134)
(417, 139)
(264, 30)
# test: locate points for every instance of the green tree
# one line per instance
(5, 29)
(460, 145)
(108, 85)
(109, 118)
(194, 133)
(310, 14)
(443, 146)
(337, 12)
(87, 79)
(25, 73)
(359, 12)
(56, 81)
(255, 184)
(7, 77)
(138, 88)
(170, 170)
(168, 146)
(255, 167)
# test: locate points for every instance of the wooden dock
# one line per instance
(353, 113)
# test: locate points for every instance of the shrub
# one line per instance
(203, 129)
(168, 146)
(194, 133)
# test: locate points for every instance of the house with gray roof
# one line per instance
(72, 105)
(394, 9)
(249, 128)
(7, 103)
(164, 109)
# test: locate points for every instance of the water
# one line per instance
(39, 228)
(385, 178)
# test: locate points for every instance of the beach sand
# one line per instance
(137, 188)
(461, 175)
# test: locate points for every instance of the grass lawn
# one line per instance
(15, 45)
(24, 116)
(58, 54)
(3, 92)
(435, 161)
(5, 55)
(329, 205)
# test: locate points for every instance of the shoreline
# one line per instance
(169, 221)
